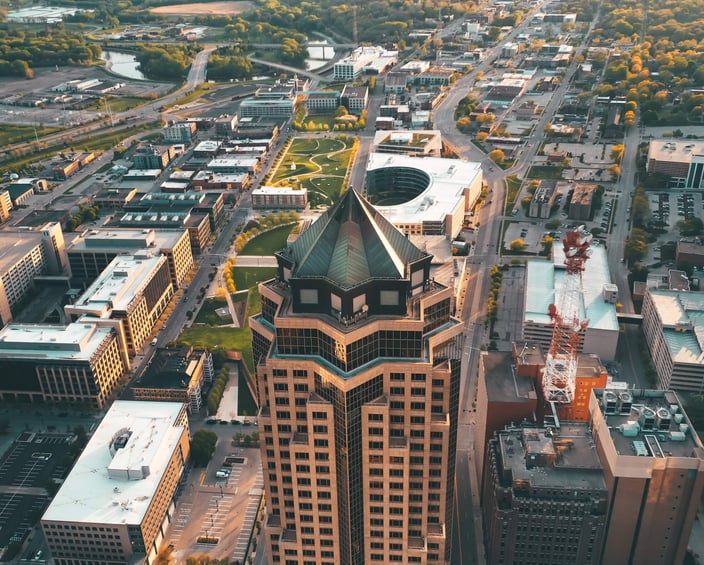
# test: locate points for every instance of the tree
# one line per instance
(497, 156)
(629, 118)
(518, 245)
(617, 152)
(203, 447)
(341, 111)
(614, 170)
(690, 226)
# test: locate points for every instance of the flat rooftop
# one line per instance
(563, 458)
(124, 239)
(75, 342)
(107, 489)
(14, 246)
(543, 278)
(502, 382)
(447, 181)
(671, 436)
(169, 369)
(118, 284)
(682, 316)
(678, 151)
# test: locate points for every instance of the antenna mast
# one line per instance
(560, 371)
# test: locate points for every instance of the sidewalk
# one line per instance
(228, 405)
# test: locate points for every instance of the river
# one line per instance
(123, 64)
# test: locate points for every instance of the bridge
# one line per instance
(636, 319)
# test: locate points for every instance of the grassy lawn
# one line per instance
(513, 186)
(12, 133)
(249, 277)
(207, 314)
(544, 172)
(225, 338)
(117, 104)
(268, 242)
(246, 406)
(317, 164)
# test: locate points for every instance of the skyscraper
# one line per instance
(358, 367)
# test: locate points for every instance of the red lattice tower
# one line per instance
(561, 361)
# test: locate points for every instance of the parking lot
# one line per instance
(27, 467)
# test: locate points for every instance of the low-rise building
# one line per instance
(184, 132)
(279, 197)
(117, 502)
(81, 363)
(132, 289)
(175, 375)
(153, 157)
(689, 253)
(415, 143)
(543, 200)
(226, 125)
(673, 329)
(5, 206)
(25, 255)
(681, 160)
(196, 223)
(601, 332)
(582, 202)
(354, 98)
(210, 180)
(322, 101)
(90, 252)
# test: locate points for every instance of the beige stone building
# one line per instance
(358, 366)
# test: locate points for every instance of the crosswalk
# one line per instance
(250, 517)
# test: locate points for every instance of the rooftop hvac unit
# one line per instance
(662, 419)
(625, 401)
(674, 408)
(677, 436)
(647, 419)
(610, 402)
(684, 428)
(678, 418)
(630, 429)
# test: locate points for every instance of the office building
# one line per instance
(153, 157)
(582, 201)
(543, 200)
(180, 133)
(544, 499)
(596, 303)
(416, 143)
(373, 59)
(431, 195)
(90, 252)
(358, 359)
(25, 255)
(673, 323)
(196, 223)
(279, 197)
(117, 502)
(354, 98)
(134, 290)
(5, 205)
(81, 363)
(682, 161)
(175, 375)
(653, 464)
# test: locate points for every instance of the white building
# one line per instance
(117, 502)
(352, 67)
(439, 191)
(673, 324)
(596, 305)
(279, 197)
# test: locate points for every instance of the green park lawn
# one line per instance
(318, 164)
(268, 242)
(207, 314)
(14, 133)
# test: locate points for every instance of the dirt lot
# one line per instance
(199, 9)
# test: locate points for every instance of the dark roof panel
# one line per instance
(352, 243)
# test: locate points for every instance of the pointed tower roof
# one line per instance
(350, 244)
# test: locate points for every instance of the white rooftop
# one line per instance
(118, 285)
(122, 239)
(677, 151)
(544, 277)
(447, 181)
(682, 317)
(74, 342)
(232, 162)
(107, 489)
(208, 145)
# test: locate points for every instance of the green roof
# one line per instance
(352, 243)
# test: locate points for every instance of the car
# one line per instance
(223, 422)
(154, 342)
(38, 555)
(211, 421)
(235, 422)
(246, 423)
